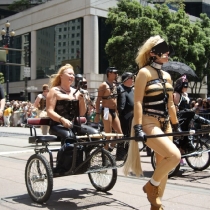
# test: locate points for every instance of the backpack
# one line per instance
(65, 157)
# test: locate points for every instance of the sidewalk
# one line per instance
(190, 191)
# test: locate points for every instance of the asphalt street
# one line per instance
(188, 191)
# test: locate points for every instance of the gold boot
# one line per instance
(156, 208)
(152, 194)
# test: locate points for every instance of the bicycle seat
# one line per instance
(42, 139)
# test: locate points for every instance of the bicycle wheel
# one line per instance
(38, 178)
(172, 173)
(103, 180)
(199, 161)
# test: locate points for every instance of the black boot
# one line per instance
(187, 145)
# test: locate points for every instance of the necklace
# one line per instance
(68, 91)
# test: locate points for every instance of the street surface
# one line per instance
(188, 191)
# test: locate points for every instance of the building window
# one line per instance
(55, 42)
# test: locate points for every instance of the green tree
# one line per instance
(21, 5)
(127, 20)
(132, 24)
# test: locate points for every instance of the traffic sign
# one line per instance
(27, 72)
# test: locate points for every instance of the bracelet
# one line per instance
(60, 120)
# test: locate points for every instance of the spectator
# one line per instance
(205, 106)
(7, 114)
(40, 103)
(2, 102)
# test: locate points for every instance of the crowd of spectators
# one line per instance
(16, 113)
(201, 106)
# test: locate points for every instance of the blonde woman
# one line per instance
(154, 112)
(62, 104)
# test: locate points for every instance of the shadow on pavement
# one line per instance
(190, 175)
(71, 199)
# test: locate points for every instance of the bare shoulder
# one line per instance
(144, 72)
(103, 85)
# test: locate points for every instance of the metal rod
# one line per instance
(183, 133)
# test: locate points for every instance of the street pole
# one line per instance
(7, 39)
(26, 87)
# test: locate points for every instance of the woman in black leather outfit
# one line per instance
(63, 104)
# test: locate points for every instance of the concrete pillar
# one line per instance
(91, 53)
(91, 44)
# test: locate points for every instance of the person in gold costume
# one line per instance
(154, 113)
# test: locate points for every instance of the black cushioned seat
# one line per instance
(42, 139)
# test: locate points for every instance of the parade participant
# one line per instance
(125, 102)
(40, 104)
(2, 102)
(107, 93)
(63, 103)
(153, 111)
(185, 113)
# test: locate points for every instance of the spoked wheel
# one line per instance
(199, 161)
(38, 178)
(103, 180)
(172, 173)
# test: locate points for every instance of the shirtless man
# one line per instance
(107, 93)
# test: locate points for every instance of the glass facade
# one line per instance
(104, 35)
(16, 73)
(58, 45)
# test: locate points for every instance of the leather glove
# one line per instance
(139, 134)
(176, 128)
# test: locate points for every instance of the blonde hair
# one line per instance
(133, 162)
(55, 79)
(143, 55)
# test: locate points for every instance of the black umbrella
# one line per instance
(178, 67)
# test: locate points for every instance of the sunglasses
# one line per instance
(114, 72)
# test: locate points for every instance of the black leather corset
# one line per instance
(68, 109)
(155, 105)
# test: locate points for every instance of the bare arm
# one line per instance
(101, 91)
(37, 101)
(2, 106)
(50, 105)
(176, 98)
(140, 84)
(171, 107)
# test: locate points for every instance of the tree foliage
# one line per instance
(21, 5)
(133, 23)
